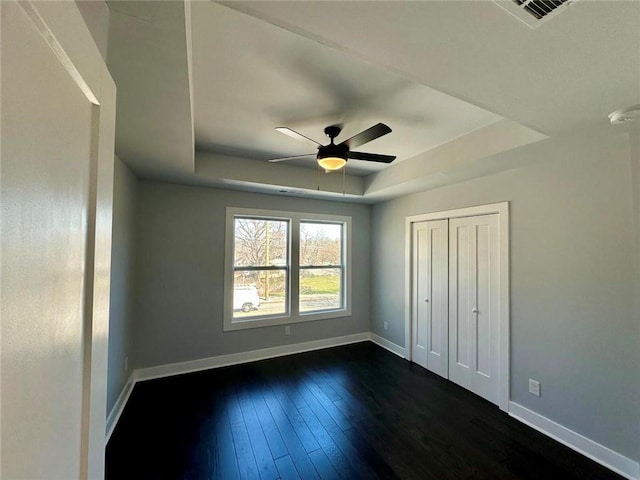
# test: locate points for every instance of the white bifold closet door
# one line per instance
(474, 304)
(430, 291)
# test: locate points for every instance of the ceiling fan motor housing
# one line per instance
(332, 131)
(332, 150)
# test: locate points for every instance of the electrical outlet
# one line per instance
(126, 364)
(287, 330)
(534, 387)
(386, 325)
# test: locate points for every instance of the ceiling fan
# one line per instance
(333, 157)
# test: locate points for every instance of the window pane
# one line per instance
(259, 293)
(260, 242)
(320, 289)
(320, 243)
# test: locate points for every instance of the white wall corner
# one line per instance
(118, 407)
(614, 461)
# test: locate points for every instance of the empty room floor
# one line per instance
(350, 412)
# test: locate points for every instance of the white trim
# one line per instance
(387, 345)
(293, 315)
(51, 39)
(502, 209)
(245, 357)
(408, 285)
(168, 370)
(620, 464)
(118, 407)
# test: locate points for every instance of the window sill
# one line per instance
(272, 321)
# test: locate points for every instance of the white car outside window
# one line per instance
(245, 298)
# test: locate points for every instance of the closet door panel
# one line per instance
(420, 327)
(483, 302)
(460, 299)
(486, 371)
(430, 253)
(438, 299)
(474, 303)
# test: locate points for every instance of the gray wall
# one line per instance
(96, 15)
(573, 325)
(635, 181)
(180, 274)
(121, 318)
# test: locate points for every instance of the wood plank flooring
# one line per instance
(352, 412)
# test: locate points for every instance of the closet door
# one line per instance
(474, 313)
(430, 296)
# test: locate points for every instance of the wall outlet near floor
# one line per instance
(534, 387)
(287, 330)
(386, 325)
(126, 364)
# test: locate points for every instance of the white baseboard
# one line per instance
(118, 407)
(244, 357)
(388, 345)
(620, 464)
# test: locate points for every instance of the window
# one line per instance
(321, 266)
(285, 267)
(260, 266)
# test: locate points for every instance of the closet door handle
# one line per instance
(426, 300)
(474, 310)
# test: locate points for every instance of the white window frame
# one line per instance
(293, 314)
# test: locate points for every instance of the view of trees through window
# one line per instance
(261, 266)
(320, 266)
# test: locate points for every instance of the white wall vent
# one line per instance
(534, 12)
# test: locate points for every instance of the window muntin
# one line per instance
(242, 276)
(260, 267)
(321, 275)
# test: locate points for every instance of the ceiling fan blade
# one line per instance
(298, 136)
(367, 135)
(294, 157)
(371, 157)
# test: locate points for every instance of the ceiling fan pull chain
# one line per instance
(318, 176)
(344, 176)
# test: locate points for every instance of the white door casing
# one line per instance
(58, 122)
(493, 296)
(430, 294)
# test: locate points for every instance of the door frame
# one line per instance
(502, 209)
(63, 28)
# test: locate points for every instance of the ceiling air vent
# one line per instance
(540, 8)
(534, 12)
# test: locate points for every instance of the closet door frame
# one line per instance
(502, 209)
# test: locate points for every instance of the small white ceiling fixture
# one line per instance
(625, 115)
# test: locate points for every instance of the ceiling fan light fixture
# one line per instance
(331, 164)
(332, 157)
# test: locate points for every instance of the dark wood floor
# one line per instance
(348, 412)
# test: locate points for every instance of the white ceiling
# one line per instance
(147, 57)
(570, 72)
(458, 82)
(250, 77)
